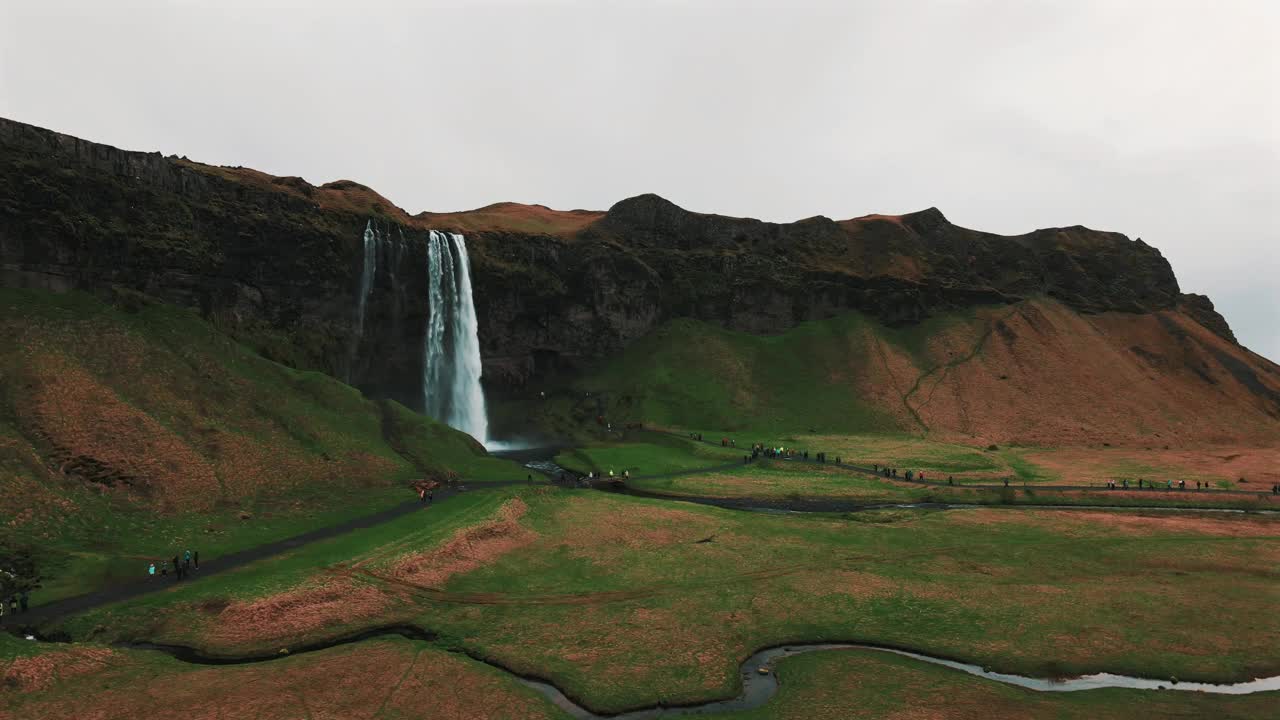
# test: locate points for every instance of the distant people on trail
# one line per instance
(23, 600)
(177, 568)
(1139, 483)
(951, 479)
(422, 495)
(151, 571)
(1182, 484)
(1006, 482)
(13, 604)
(164, 568)
(529, 477)
(1125, 483)
(1168, 484)
(195, 559)
(431, 496)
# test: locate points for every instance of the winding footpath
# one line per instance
(126, 591)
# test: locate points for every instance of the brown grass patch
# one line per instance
(469, 548)
(39, 672)
(600, 529)
(374, 679)
(851, 583)
(91, 426)
(1259, 465)
(1078, 523)
(330, 602)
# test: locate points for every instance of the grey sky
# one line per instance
(1158, 119)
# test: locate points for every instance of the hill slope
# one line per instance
(123, 428)
(1035, 373)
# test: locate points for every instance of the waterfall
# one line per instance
(368, 271)
(451, 356)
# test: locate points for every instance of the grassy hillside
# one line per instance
(129, 432)
(1036, 373)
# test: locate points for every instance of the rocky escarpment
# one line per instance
(277, 263)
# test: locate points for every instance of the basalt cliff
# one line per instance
(276, 262)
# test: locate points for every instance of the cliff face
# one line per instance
(277, 263)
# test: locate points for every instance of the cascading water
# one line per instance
(368, 272)
(372, 238)
(451, 359)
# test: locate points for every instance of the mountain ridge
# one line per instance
(276, 262)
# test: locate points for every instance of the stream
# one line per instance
(757, 673)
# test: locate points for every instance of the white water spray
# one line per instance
(368, 272)
(372, 238)
(451, 357)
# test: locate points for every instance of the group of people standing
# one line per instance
(17, 603)
(1149, 485)
(182, 565)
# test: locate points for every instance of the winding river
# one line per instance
(758, 674)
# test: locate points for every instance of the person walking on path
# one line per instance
(177, 568)
(164, 568)
(23, 600)
(195, 559)
(151, 571)
(13, 604)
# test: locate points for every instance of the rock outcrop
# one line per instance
(276, 262)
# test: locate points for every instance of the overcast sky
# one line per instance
(1157, 119)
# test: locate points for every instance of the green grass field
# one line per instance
(653, 453)
(626, 602)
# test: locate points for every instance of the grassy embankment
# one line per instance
(387, 677)
(128, 435)
(626, 602)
